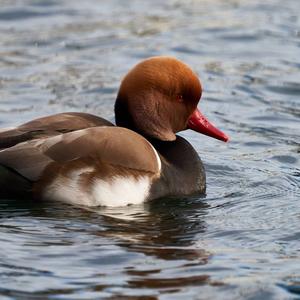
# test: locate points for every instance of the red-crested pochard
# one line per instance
(83, 159)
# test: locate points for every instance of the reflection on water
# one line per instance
(241, 241)
(61, 240)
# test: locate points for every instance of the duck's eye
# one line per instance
(179, 98)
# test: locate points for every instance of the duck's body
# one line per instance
(99, 165)
(83, 159)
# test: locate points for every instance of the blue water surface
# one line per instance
(240, 241)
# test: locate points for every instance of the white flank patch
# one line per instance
(118, 191)
(69, 189)
(65, 190)
(121, 191)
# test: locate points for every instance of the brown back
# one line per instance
(113, 145)
(50, 126)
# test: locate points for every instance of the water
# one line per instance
(241, 241)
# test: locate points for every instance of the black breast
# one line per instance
(182, 173)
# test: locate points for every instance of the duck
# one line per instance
(83, 159)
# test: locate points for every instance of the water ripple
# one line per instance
(240, 240)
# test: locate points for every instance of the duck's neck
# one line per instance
(182, 169)
(122, 115)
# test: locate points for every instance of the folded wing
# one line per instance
(50, 126)
(112, 145)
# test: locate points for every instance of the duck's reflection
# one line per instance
(167, 229)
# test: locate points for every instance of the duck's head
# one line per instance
(159, 98)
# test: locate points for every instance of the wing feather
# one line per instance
(50, 126)
(114, 145)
